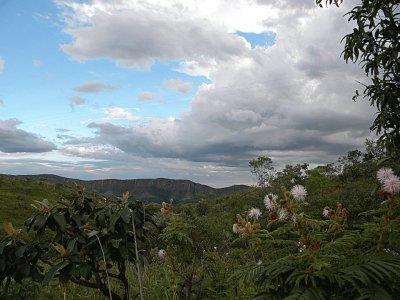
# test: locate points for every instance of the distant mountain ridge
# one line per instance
(146, 190)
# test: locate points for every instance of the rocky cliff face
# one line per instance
(146, 190)
(152, 190)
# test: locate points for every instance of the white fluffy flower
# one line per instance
(254, 213)
(391, 185)
(325, 212)
(299, 192)
(270, 201)
(235, 228)
(282, 214)
(162, 253)
(383, 174)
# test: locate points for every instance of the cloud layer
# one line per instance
(14, 140)
(290, 101)
(158, 34)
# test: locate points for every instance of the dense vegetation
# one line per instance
(331, 232)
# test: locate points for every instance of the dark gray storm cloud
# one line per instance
(14, 140)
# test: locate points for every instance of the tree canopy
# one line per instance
(375, 44)
(262, 168)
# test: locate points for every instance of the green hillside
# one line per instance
(17, 195)
(145, 190)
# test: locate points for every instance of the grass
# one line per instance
(17, 195)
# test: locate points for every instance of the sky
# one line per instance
(181, 89)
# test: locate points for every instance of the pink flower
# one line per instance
(325, 212)
(162, 253)
(254, 213)
(391, 185)
(383, 174)
(235, 228)
(270, 201)
(298, 192)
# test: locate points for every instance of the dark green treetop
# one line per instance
(375, 44)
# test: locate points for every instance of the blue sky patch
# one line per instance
(263, 39)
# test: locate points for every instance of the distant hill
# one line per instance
(17, 194)
(146, 190)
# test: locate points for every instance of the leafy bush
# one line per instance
(87, 241)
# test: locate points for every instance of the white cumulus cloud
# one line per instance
(135, 34)
(290, 101)
(119, 113)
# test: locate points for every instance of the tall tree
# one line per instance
(262, 168)
(375, 43)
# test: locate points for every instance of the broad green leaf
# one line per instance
(125, 214)
(40, 221)
(71, 245)
(52, 272)
(20, 251)
(60, 220)
(113, 220)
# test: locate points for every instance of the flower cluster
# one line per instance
(243, 227)
(390, 182)
(340, 215)
(301, 246)
(286, 208)
(166, 208)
